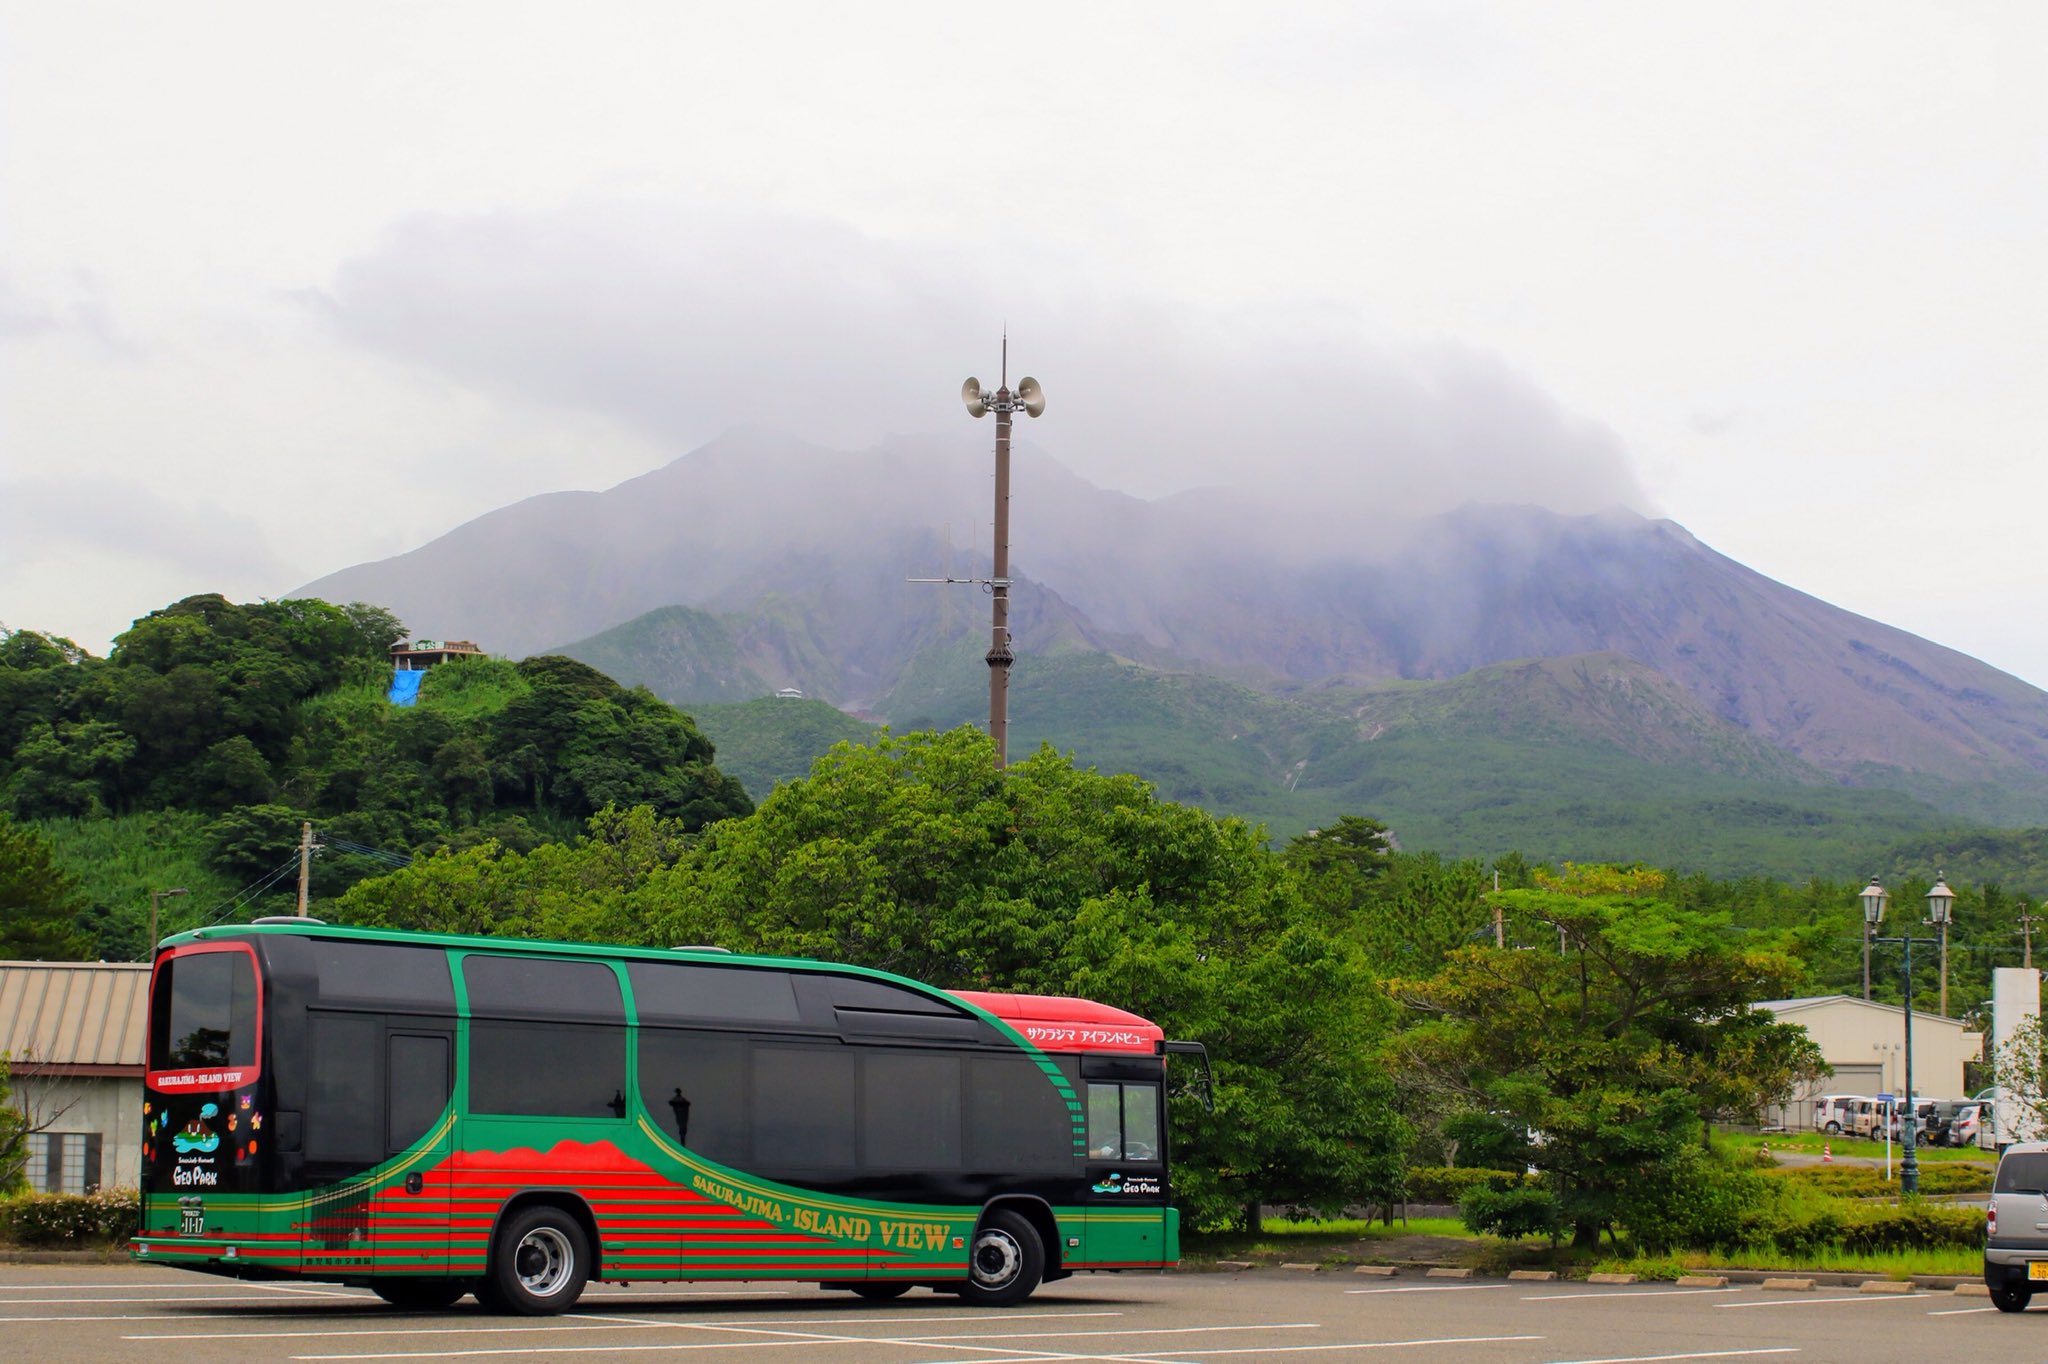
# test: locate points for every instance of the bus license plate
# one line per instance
(2037, 1269)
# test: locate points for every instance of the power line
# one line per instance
(388, 858)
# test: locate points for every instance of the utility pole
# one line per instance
(155, 896)
(305, 862)
(1500, 932)
(2027, 922)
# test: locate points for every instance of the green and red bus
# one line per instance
(434, 1115)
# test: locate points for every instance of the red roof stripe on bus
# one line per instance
(1054, 1023)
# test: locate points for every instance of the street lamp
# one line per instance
(155, 896)
(1874, 901)
(1941, 908)
(1940, 902)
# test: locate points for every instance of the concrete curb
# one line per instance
(1441, 1272)
(1531, 1275)
(1888, 1286)
(1378, 1271)
(1610, 1278)
(1787, 1285)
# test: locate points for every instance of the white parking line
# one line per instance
(1960, 1311)
(1301, 1349)
(1431, 1288)
(1631, 1294)
(925, 1342)
(595, 1323)
(1810, 1302)
(1700, 1354)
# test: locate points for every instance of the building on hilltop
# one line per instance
(418, 654)
(411, 659)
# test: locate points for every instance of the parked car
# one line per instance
(1834, 1112)
(2016, 1232)
(1937, 1119)
(1970, 1126)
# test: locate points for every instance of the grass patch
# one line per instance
(1809, 1143)
(1320, 1239)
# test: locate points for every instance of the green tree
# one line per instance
(917, 855)
(39, 902)
(1614, 1024)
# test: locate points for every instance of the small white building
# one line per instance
(1866, 1044)
(74, 1034)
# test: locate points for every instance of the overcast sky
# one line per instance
(282, 291)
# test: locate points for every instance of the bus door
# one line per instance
(419, 1139)
(1126, 1166)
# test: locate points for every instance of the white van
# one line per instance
(1832, 1112)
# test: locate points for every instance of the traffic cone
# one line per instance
(1827, 1153)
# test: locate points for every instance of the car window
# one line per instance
(2022, 1171)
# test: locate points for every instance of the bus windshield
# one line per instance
(203, 1018)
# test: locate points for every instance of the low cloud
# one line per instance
(686, 322)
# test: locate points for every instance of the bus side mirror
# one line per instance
(1207, 1088)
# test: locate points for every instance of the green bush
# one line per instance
(1512, 1212)
(47, 1219)
(1441, 1184)
(1799, 1227)
(1864, 1181)
(1695, 1200)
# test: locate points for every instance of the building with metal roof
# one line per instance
(74, 1033)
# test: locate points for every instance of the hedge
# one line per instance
(52, 1219)
(1444, 1184)
(1867, 1181)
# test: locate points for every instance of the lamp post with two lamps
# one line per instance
(1940, 911)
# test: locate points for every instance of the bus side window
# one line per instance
(697, 1081)
(344, 1091)
(419, 1085)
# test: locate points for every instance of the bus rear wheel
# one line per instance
(419, 1295)
(539, 1264)
(1007, 1261)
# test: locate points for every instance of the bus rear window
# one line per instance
(203, 1011)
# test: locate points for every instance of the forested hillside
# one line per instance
(195, 750)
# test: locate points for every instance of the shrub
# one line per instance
(1693, 1199)
(1441, 1184)
(1512, 1212)
(48, 1219)
(1864, 1181)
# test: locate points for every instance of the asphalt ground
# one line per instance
(56, 1313)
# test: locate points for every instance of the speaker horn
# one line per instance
(1032, 396)
(970, 393)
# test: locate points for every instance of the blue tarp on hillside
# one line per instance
(405, 685)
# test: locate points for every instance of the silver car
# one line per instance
(2016, 1240)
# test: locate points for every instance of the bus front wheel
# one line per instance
(539, 1263)
(419, 1295)
(1007, 1262)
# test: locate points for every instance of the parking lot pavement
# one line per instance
(53, 1314)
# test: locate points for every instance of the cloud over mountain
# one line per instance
(684, 321)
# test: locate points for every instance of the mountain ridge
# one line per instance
(805, 554)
